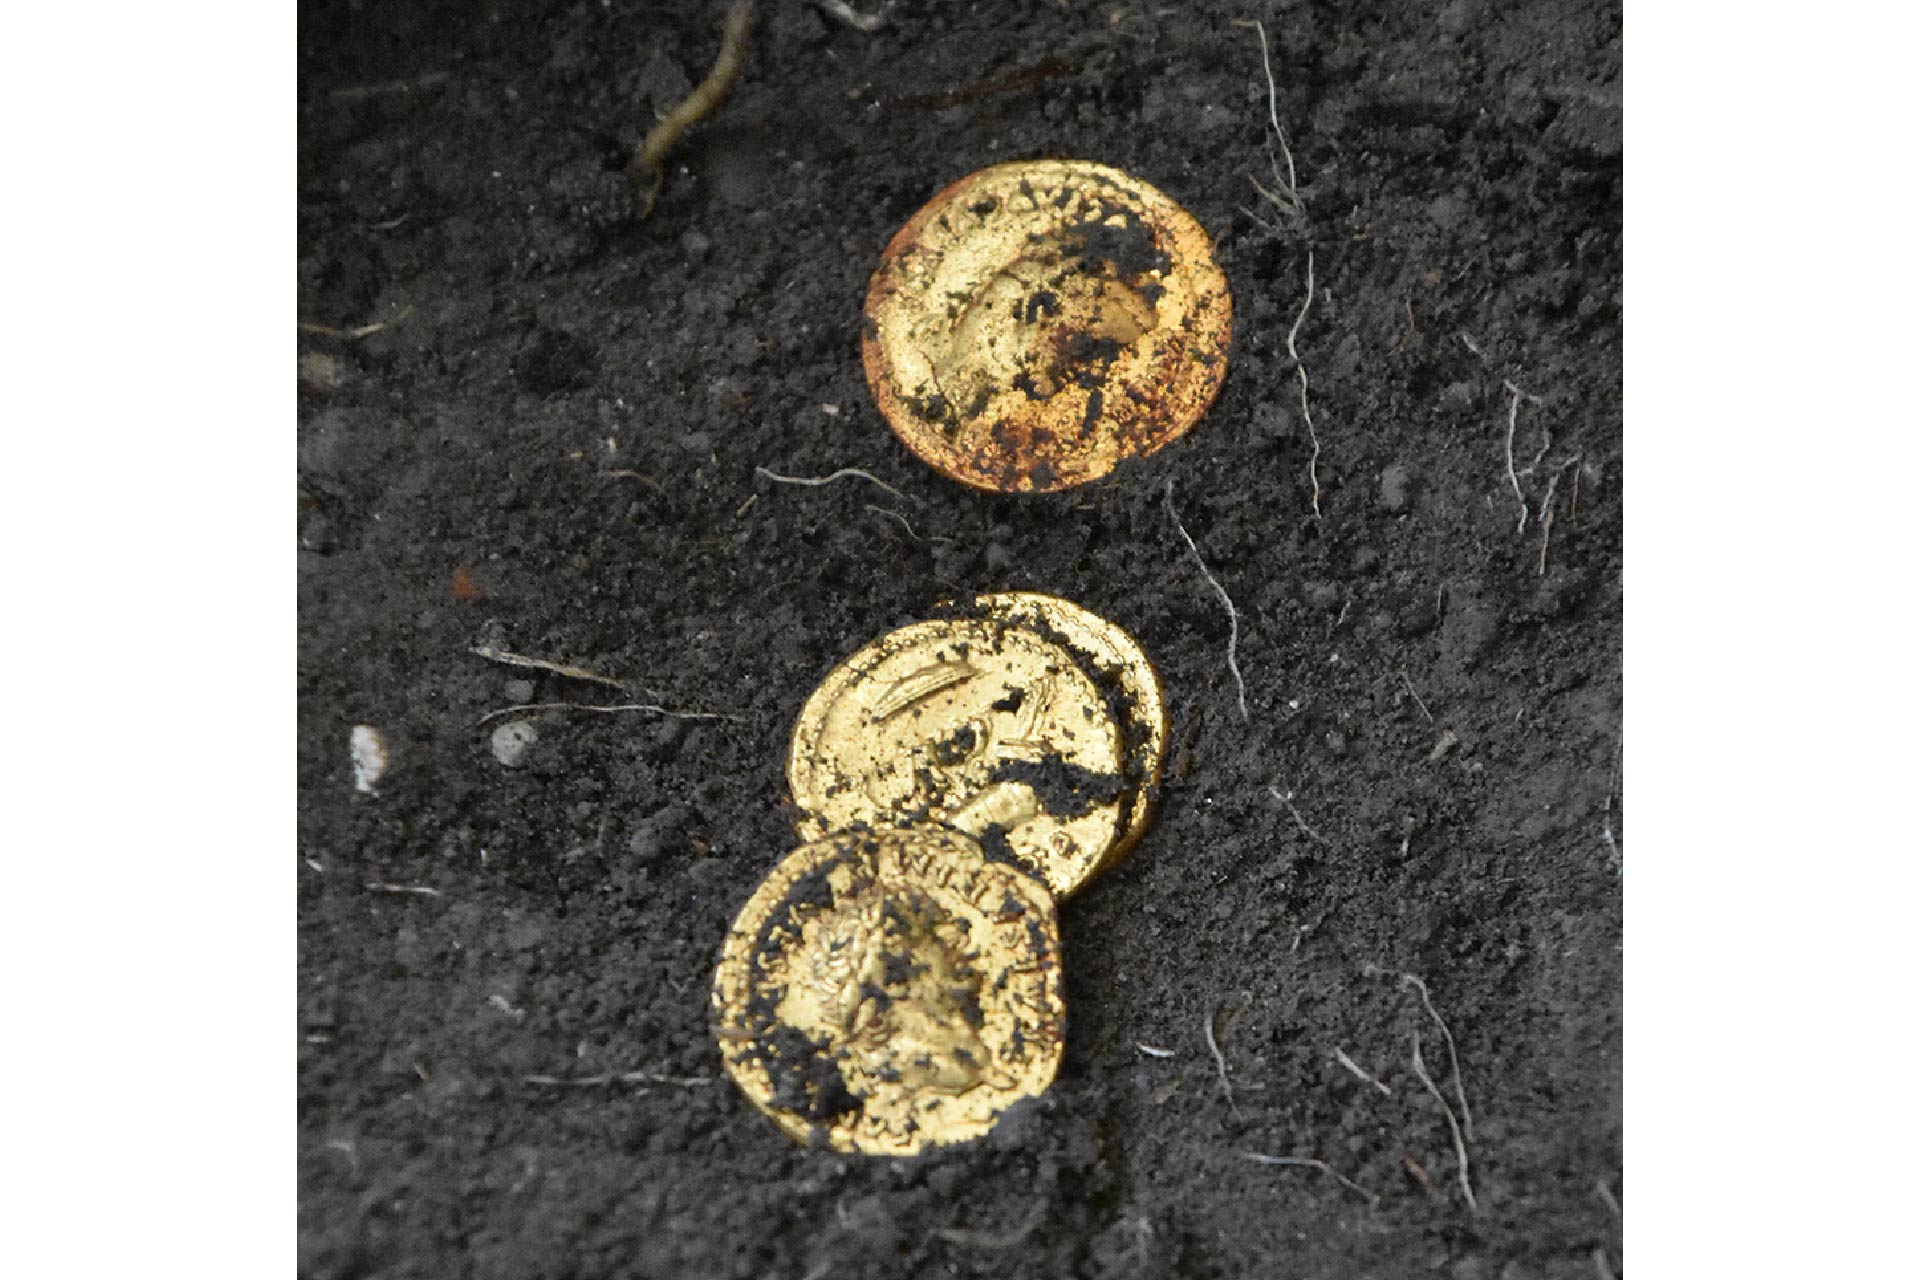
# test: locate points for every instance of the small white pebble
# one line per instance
(369, 751)
(322, 372)
(831, 410)
(511, 742)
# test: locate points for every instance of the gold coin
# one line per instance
(1037, 323)
(974, 724)
(1120, 667)
(884, 991)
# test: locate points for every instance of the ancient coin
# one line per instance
(886, 990)
(1121, 669)
(1036, 323)
(973, 723)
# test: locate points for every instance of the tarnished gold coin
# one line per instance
(1036, 323)
(1123, 672)
(973, 723)
(886, 990)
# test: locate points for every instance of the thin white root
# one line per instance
(379, 886)
(1553, 485)
(1220, 1064)
(1540, 455)
(1453, 1124)
(1453, 1057)
(1418, 701)
(1285, 197)
(844, 473)
(1300, 368)
(353, 334)
(1309, 1162)
(908, 526)
(1298, 821)
(841, 11)
(1273, 116)
(1285, 190)
(1154, 1050)
(1513, 477)
(528, 708)
(620, 1077)
(1340, 1056)
(895, 515)
(1233, 614)
(567, 669)
(1546, 507)
(1607, 1197)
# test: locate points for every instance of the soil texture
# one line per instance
(530, 424)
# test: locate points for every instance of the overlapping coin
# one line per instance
(1125, 677)
(975, 723)
(886, 990)
(1036, 323)
(894, 983)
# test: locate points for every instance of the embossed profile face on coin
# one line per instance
(884, 991)
(1120, 666)
(972, 723)
(1037, 323)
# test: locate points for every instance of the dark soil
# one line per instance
(551, 447)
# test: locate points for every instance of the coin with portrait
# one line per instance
(1038, 322)
(883, 991)
(973, 723)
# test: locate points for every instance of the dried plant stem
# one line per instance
(566, 669)
(649, 164)
(527, 708)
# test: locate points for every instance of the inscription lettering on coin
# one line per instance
(883, 991)
(975, 724)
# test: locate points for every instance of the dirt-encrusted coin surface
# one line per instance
(973, 723)
(885, 991)
(1123, 672)
(1039, 322)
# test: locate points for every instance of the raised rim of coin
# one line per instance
(884, 991)
(1038, 322)
(1122, 670)
(976, 723)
